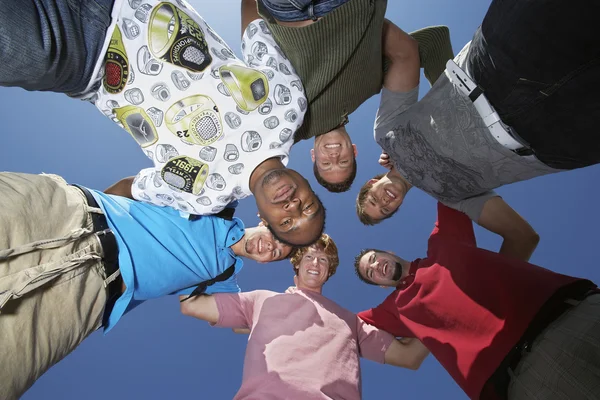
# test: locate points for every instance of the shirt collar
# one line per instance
(409, 279)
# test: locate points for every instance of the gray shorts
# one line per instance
(564, 362)
(52, 291)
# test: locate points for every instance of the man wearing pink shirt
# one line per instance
(303, 345)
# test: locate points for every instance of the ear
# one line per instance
(263, 221)
(312, 155)
(372, 181)
(296, 280)
(355, 150)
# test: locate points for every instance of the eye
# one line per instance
(385, 211)
(286, 222)
(344, 162)
(308, 207)
(372, 258)
(326, 164)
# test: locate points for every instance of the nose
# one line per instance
(292, 205)
(374, 265)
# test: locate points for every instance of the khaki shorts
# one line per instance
(52, 291)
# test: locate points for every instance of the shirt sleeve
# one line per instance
(372, 342)
(259, 49)
(385, 316)
(472, 206)
(453, 225)
(236, 309)
(391, 105)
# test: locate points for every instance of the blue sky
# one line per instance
(156, 353)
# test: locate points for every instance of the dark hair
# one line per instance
(321, 209)
(357, 264)
(339, 187)
(360, 204)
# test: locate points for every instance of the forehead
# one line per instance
(315, 251)
(364, 260)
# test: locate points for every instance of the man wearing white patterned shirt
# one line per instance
(217, 129)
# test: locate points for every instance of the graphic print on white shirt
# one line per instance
(204, 118)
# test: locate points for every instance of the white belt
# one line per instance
(490, 117)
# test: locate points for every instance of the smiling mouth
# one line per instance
(312, 272)
(390, 194)
(283, 193)
(333, 145)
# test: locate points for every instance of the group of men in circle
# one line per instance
(515, 103)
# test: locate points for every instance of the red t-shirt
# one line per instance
(469, 306)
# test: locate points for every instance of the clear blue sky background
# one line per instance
(156, 353)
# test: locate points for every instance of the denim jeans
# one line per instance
(51, 44)
(539, 64)
(300, 10)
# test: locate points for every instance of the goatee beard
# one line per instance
(397, 272)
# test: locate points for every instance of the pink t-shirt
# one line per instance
(301, 346)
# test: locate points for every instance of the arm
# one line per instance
(402, 51)
(454, 225)
(202, 307)
(249, 13)
(520, 239)
(121, 188)
(407, 352)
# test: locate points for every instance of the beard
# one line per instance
(397, 272)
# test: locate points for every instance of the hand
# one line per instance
(292, 289)
(384, 161)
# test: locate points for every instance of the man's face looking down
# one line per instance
(334, 156)
(260, 245)
(383, 198)
(381, 268)
(291, 209)
(313, 270)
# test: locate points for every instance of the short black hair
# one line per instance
(357, 264)
(339, 187)
(276, 236)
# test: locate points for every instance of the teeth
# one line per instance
(390, 194)
(313, 272)
(332, 146)
(260, 245)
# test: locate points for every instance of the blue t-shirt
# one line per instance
(161, 253)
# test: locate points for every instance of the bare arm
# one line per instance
(249, 13)
(122, 188)
(202, 307)
(402, 51)
(406, 352)
(520, 239)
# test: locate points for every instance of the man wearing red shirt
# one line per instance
(487, 317)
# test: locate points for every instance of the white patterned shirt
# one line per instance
(205, 118)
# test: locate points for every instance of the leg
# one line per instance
(58, 289)
(300, 10)
(538, 61)
(565, 359)
(51, 44)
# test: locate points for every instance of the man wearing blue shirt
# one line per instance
(74, 259)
